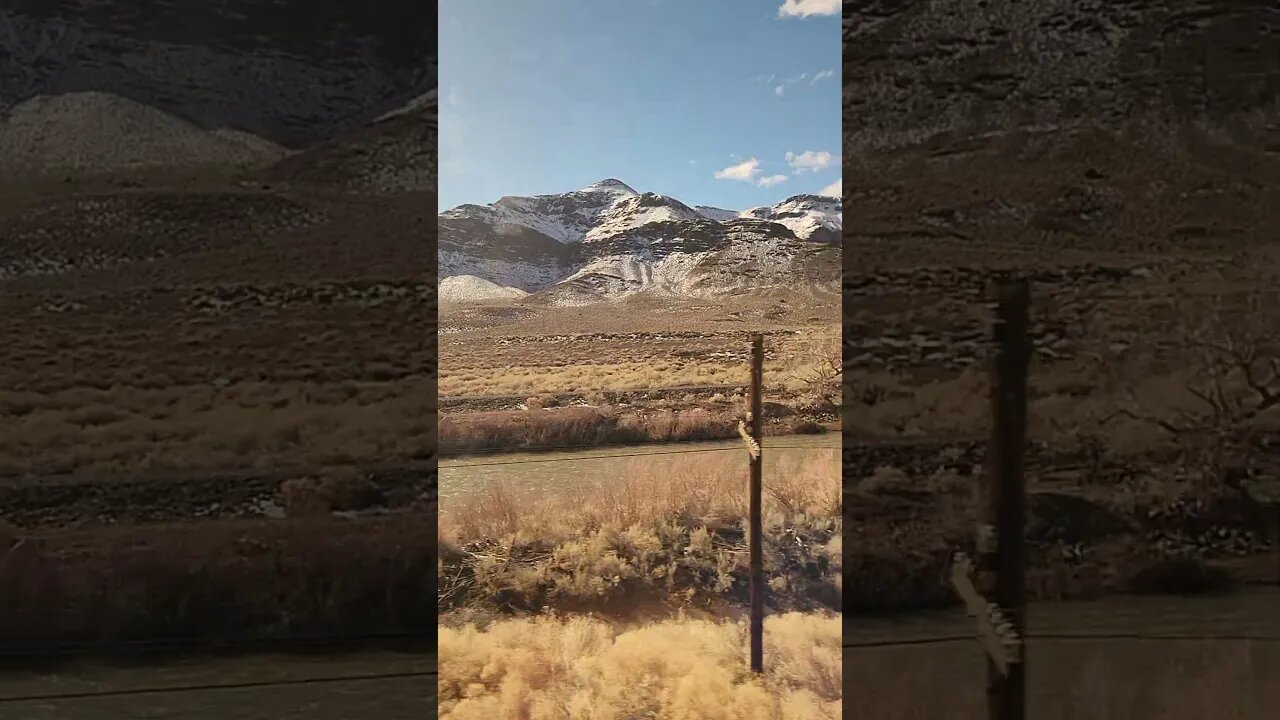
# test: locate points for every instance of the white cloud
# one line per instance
(805, 8)
(835, 189)
(771, 180)
(810, 161)
(813, 80)
(693, 162)
(744, 171)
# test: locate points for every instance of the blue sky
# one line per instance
(731, 103)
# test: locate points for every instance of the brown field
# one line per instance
(189, 331)
(698, 347)
(193, 380)
(661, 535)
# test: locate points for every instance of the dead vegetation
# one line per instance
(661, 535)
(577, 668)
(228, 581)
(578, 427)
(1232, 382)
(119, 431)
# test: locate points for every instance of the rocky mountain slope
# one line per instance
(1107, 126)
(607, 240)
(292, 71)
(393, 154)
(812, 217)
(916, 68)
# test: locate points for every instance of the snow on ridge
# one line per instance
(641, 210)
(627, 243)
(610, 185)
(464, 288)
(804, 215)
(565, 217)
(715, 213)
(521, 275)
(416, 103)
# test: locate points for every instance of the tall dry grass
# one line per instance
(247, 580)
(550, 668)
(667, 534)
(582, 426)
(129, 431)
(695, 490)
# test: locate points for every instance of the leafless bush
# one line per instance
(1230, 381)
(817, 369)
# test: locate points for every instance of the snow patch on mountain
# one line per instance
(804, 215)
(606, 241)
(526, 276)
(633, 212)
(566, 217)
(715, 213)
(469, 288)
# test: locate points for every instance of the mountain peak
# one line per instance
(810, 197)
(611, 184)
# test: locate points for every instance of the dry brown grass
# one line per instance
(264, 425)
(1067, 402)
(578, 427)
(483, 367)
(664, 535)
(219, 581)
(531, 379)
(604, 376)
(707, 491)
(683, 669)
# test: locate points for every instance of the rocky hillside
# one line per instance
(607, 240)
(294, 72)
(1114, 126)
(917, 68)
(393, 154)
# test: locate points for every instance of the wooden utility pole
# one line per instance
(1001, 553)
(754, 521)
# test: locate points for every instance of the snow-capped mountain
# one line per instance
(566, 217)
(812, 217)
(607, 240)
(715, 213)
(633, 212)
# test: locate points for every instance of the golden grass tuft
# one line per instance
(549, 668)
(696, 490)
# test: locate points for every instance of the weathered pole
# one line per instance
(1001, 551)
(754, 520)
